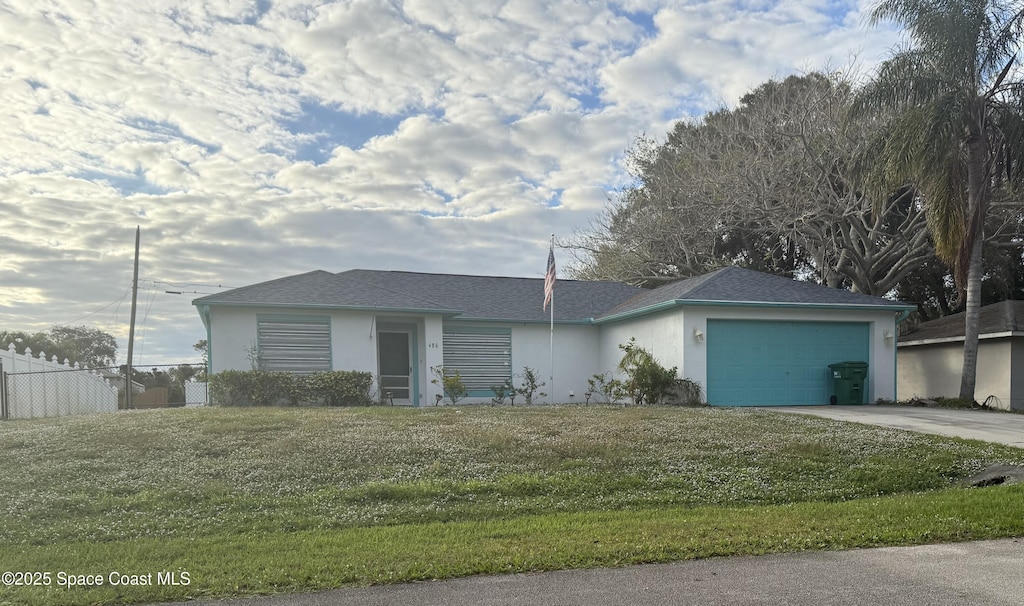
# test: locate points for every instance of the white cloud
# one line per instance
(180, 117)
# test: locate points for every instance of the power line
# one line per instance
(145, 315)
(185, 284)
(186, 292)
(118, 301)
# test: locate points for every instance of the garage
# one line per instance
(779, 363)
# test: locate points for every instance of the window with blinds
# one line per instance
(300, 345)
(482, 357)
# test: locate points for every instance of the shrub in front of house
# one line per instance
(647, 381)
(268, 388)
(685, 392)
(336, 388)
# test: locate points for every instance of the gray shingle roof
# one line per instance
(521, 299)
(322, 289)
(1002, 317)
(470, 297)
(735, 284)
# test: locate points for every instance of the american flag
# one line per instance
(549, 278)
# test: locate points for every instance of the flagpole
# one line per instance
(552, 345)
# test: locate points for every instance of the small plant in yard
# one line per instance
(450, 382)
(528, 388)
(252, 353)
(502, 391)
(647, 382)
(611, 390)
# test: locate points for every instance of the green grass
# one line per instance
(267, 500)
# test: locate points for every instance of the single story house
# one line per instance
(748, 338)
(931, 358)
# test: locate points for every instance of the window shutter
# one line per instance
(300, 346)
(483, 359)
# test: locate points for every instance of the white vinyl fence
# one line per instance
(36, 387)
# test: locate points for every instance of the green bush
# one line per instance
(530, 385)
(503, 391)
(647, 382)
(685, 392)
(611, 390)
(337, 388)
(450, 381)
(228, 388)
(268, 388)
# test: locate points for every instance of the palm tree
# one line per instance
(955, 133)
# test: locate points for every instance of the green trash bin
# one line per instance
(848, 382)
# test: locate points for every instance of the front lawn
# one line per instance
(266, 500)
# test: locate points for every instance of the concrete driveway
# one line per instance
(1001, 427)
(982, 573)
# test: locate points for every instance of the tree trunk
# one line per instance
(977, 209)
(974, 271)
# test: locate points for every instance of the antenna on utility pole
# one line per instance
(131, 329)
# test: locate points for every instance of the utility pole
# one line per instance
(131, 329)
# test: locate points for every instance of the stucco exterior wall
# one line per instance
(576, 357)
(662, 334)
(353, 342)
(433, 355)
(232, 332)
(881, 363)
(580, 350)
(931, 371)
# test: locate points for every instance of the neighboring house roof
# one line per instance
(994, 320)
(466, 297)
(736, 285)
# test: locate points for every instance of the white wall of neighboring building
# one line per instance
(881, 363)
(934, 370)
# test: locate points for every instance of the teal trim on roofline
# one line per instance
(330, 307)
(643, 311)
(477, 330)
(583, 322)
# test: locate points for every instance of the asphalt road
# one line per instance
(1001, 427)
(983, 573)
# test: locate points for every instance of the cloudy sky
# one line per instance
(254, 139)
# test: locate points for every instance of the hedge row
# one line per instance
(266, 388)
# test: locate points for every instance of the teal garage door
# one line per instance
(756, 363)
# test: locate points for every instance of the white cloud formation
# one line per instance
(189, 119)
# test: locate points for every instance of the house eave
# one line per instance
(960, 339)
(325, 307)
(582, 322)
(762, 304)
